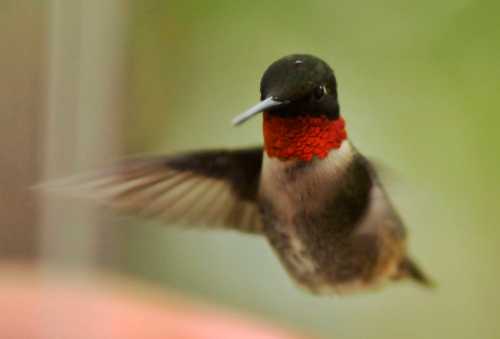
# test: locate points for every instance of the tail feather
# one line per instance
(409, 269)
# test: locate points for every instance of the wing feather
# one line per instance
(212, 188)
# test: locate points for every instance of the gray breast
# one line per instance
(313, 214)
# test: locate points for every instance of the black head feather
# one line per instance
(306, 82)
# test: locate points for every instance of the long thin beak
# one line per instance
(260, 107)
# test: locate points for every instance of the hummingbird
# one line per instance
(308, 190)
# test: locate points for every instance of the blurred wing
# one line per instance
(213, 188)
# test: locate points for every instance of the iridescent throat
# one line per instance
(302, 137)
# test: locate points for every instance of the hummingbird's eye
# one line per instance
(319, 92)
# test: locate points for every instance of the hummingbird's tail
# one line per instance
(409, 269)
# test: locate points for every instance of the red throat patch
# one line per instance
(302, 137)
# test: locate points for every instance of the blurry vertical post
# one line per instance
(86, 58)
(22, 105)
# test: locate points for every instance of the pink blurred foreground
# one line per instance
(38, 307)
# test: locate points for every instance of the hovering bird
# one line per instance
(308, 190)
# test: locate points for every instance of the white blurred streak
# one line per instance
(86, 56)
(85, 97)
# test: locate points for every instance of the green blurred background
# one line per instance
(418, 85)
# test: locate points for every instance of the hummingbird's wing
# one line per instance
(213, 188)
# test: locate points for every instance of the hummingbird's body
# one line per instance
(308, 190)
(329, 236)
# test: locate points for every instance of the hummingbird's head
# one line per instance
(301, 110)
(304, 84)
(296, 85)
